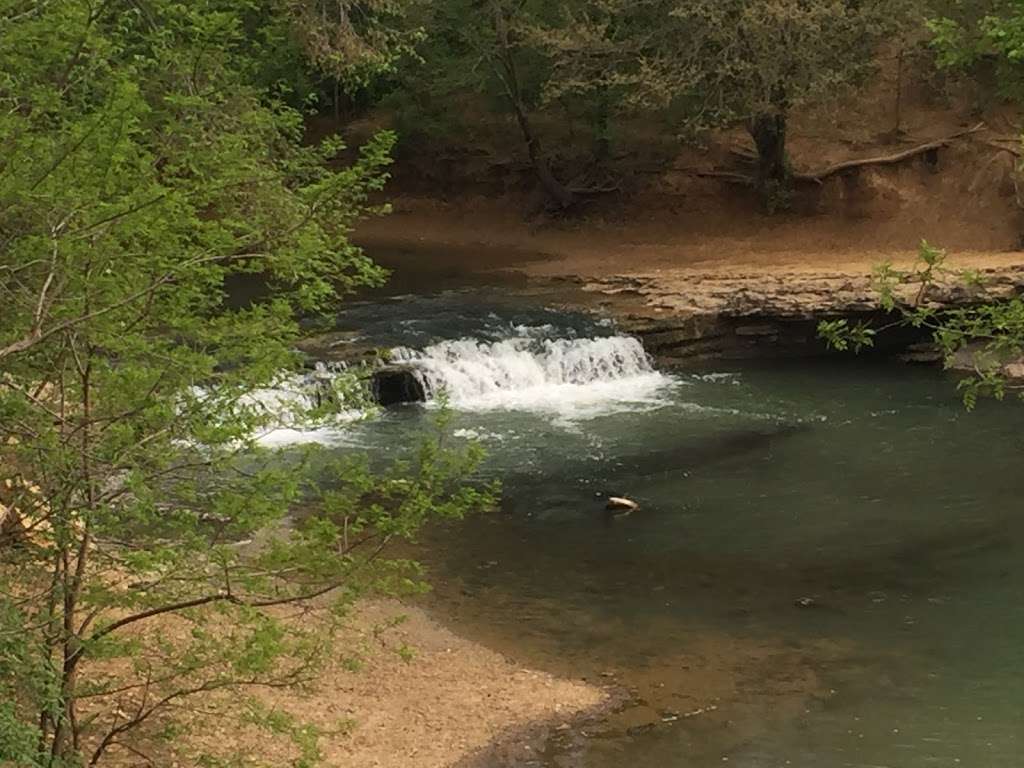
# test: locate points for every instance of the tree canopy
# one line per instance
(146, 166)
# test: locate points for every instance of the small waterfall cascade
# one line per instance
(300, 391)
(565, 378)
(515, 372)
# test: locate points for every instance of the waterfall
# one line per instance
(564, 378)
(289, 400)
(298, 392)
(526, 372)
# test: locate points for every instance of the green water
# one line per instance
(865, 491)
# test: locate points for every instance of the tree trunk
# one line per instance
(602, 143)
(555, 190)
(507, 71)
(769, 134)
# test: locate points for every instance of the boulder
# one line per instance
(396, 385)
(1015, 370)
(976, 357)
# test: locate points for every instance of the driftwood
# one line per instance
(729, 176)
(817, 177)
(594, 191)
(1014, 149)
(896, 157)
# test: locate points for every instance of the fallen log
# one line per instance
(819, 176)
(894, 158)
(729, 176)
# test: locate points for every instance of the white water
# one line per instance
(288, 403)
(571, 377)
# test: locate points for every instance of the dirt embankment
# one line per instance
(684, 250)
(677, 236)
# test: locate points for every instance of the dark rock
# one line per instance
(338, 347)
(924, 352)
(757, 330)
(396, 384)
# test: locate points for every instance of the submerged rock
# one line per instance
(977, 357)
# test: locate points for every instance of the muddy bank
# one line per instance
(472, 237)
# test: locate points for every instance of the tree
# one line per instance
(142, 171)
(487, 47)
(966, 36)
(353, 42)
(720, 62)
(986, 334)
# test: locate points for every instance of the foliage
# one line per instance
(842, 335)
(969, 35)
(483, 48)
(988, 334)
(355, 41)
(462, 53)
(717, 63)
(150, 546)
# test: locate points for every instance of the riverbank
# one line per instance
(486, 236)
(692, 290)
(421, 697)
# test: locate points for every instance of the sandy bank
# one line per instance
(453, 702)
(480, 236)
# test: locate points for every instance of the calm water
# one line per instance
(826, 569)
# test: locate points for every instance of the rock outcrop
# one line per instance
(689, 314)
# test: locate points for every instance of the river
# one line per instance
(825, 569)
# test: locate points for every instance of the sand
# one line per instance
(424, 697)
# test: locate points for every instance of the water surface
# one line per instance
(825, 570)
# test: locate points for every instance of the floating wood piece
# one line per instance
(621, 505)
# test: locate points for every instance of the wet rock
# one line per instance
(691, 314)
(976, 357)
(924, 352)
(396, 385)
(757, 330)
(338, 347)
(1015, 370)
